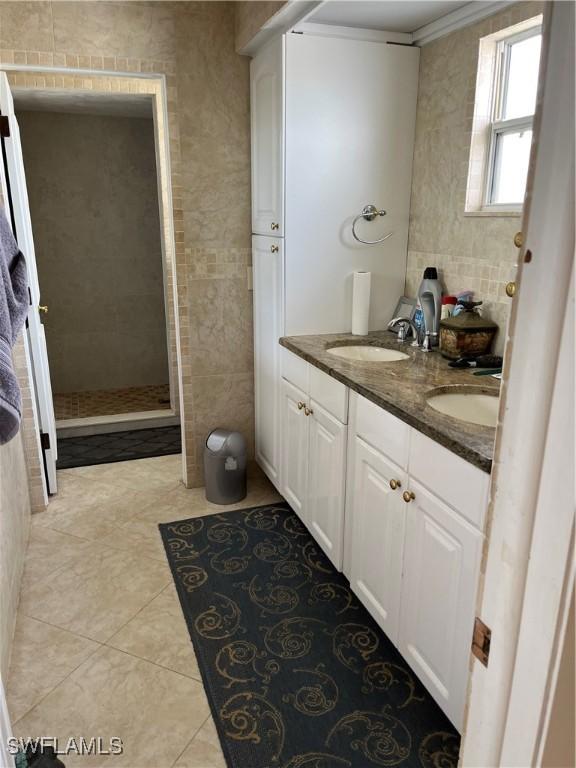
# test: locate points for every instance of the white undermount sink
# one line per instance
(465, 405)
(367, 354)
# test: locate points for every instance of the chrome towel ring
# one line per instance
(369, 213)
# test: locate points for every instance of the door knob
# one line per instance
(301, 405)
(395, 484)
(408, 496)
(43, 308)
(518, 239)
(274, 248)
(274, 226)
(511, 289)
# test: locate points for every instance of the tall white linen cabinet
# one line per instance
(332, 131)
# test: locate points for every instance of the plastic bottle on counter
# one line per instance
(448, 304)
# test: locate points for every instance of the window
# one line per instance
(513, 105)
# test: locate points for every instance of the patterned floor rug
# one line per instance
(297, 673)
(118, 446)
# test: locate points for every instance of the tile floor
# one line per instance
(106, 402)
(101, 646)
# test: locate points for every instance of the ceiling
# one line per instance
(389, 15)
(83, 102)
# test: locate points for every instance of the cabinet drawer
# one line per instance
(457, 482)
(383, 431)
(295, 370)
(330, 394)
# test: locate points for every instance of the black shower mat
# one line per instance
(118, 446)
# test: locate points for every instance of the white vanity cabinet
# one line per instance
(267, 128)
(378, 535)
(314, 411)
(306, 192)
(414, 522)
(440, 573)
(267, 275)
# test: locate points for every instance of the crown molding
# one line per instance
(461, 17)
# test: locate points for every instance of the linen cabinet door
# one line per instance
(294, 449)
(267, 118)
(441, 562)
(267, 270)
(327, 482)
(378, 517)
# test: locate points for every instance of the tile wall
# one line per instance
(471, 251)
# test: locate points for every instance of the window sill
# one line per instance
(495, 214)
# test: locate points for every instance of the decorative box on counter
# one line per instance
(466, 334)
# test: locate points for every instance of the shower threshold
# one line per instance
(117, 422)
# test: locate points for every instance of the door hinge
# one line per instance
(481, 641)
(45, 441)
(4, 127)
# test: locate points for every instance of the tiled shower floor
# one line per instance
(101, 645)
(79, 405)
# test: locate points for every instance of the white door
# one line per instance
(441, 561)
(267, 115)
(15, 192)
(294, 451)
(267, 270)
(327, 482)
(378, 521)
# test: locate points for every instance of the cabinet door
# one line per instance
(326, 482)
(441, 560)
(267, 116)
(267, 255)
(294, 449)
(378, 517)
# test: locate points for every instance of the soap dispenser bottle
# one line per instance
(430, 299)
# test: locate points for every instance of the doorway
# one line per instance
(92, 178)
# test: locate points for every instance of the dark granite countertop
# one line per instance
(401, 387)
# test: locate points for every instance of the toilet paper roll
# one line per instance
(360, 303)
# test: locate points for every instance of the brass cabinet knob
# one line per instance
(518, 239)
(511, 289)
(274, 248)
(274, 226)
(308, 411)
(43, 308)
(301, 405)
(395, 484)
(408, 496)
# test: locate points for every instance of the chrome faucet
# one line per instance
(404, 324)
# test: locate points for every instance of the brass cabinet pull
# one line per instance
(511, 289)
(274, 226)
(395, 484)
(274, 248)
(301, 405)
(308, 411)
(408, 496)
(518, 239)
(43, 308)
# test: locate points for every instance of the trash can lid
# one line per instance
(225, 441)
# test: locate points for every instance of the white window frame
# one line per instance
(500, 127)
